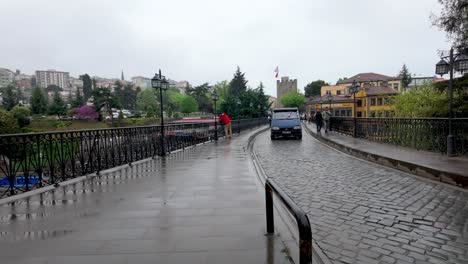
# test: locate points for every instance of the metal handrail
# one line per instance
(303, 224)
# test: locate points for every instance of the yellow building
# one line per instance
(371, 101)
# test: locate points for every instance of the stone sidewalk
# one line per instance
(435, 166)
(201, 205)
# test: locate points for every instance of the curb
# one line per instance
(450, 178)
(318, 256)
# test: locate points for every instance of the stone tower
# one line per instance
(283, 87)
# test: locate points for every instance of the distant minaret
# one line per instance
(123, 79)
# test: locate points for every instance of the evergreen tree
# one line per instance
(313, 88)
(405, 76)
(57, 107)
(78, 101)
(87, 86)
(10, 97)
(238, 84)
(38, 101)
(118, 92)
(129, 97)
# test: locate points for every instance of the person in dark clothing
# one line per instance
(318, 121)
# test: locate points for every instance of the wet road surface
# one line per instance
(365, 213)
(203, 205)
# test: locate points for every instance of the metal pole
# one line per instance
(450, 141)
(269, 209)
(216, 123)
(354, 113)
(163, 151)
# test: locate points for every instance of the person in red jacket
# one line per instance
(226, 121)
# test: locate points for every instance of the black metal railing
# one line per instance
(305, 231)
(420, 133)
(34, 160)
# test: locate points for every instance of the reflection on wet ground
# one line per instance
(203, 205)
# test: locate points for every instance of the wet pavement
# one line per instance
(202, 205)
(362, 212)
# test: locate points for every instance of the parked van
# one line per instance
(285, 122)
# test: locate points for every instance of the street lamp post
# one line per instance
(458, 62)
(354, 89)
(215, 98)
(330, 99)
(159, 82)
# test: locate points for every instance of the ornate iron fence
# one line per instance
(420, 133)
(33, 160)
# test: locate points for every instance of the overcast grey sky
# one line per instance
(204, 40)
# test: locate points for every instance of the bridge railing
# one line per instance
(303, 224)
(428, 134)
(33, 160)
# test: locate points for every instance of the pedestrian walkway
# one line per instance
(201, 205)
(436, 166)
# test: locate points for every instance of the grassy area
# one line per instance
(44, 125)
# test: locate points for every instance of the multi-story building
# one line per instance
(6, 77)
(183, 86)
(372, 100)
(49, 77)
(283, 87)
(142, 82)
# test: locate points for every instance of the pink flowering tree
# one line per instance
(85, 112)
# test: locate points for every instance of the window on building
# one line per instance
(372, 101)
(395, 86)
(386, 101)
(338, 92)
(379, 113)
(359, 103)
(372, 114)
(337, 112)
(387, 113)
(379, 101)
(328, 92)
(349, 112)
(359, 114)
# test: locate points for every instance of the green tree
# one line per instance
(147, 100)
(129, 97)
(238, 83)
(10, 97)
(57, 107)
(21, 114)
(313, 88)
(405, 76)
(293, 99)
(79, 100)
(102, 97)
(38, 101)
(453, 20)
(200, 94)
(421, 101)
(189, 105)
(87, 86)
(8, 123)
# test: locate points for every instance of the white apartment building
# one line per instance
(46, 78)
(6, 77)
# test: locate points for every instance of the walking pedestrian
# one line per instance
(226, 121)
(318, 121)
(326, 119)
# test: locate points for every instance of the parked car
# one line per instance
(285, 122)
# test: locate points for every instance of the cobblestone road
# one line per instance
(365, 213)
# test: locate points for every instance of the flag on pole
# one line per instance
(276, 72)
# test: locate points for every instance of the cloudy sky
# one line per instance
(204, 40)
